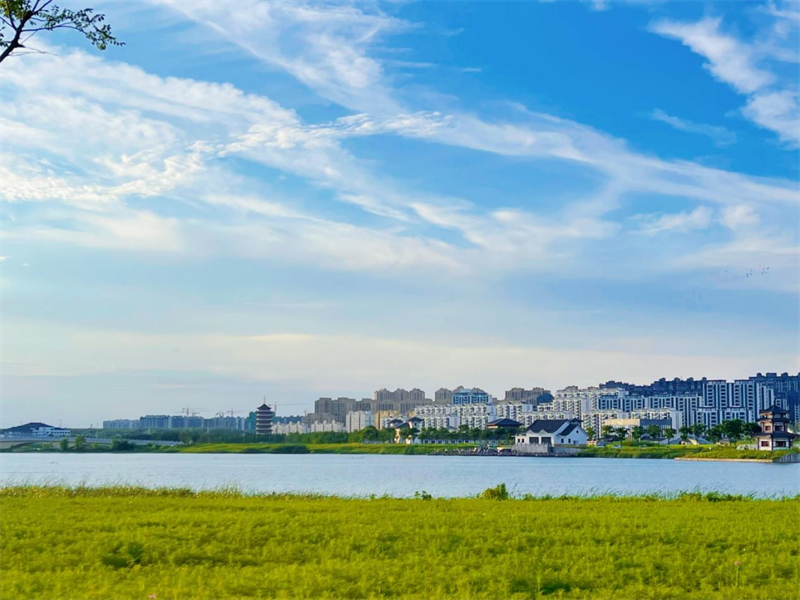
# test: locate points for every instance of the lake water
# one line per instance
(364, 474)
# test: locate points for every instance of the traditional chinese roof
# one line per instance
(507, 423)
(775, 434)
(774, 409)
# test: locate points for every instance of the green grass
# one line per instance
(126, 542)
(350, 448)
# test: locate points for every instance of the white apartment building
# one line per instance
(577, 400)
(514, 410)
(284, 425)
(437, 416)
(740, 399)
(541, 412)
(597, 419)
(659, 414)
(453, 416)
(121, 424)
(686, 404)
(359, 419)
(325, 426)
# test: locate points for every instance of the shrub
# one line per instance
(496, 493)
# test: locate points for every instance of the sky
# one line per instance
(295, 200)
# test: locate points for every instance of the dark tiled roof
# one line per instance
(28, 427)
(548, 425)
(774, 409)
(569, 429)
(504, 423)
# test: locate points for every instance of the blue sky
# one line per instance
(296, 200)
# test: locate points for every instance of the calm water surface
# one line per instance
(362, 475)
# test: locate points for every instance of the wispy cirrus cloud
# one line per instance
(189, 130)
(719, 135)
(773, 100)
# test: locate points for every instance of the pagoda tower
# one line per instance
(264, 416)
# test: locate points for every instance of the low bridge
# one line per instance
(13, 442)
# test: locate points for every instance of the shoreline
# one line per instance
(498, 493)
(691, 453)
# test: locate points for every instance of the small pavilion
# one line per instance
(774, 434)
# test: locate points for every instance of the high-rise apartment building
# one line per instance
(530, 396)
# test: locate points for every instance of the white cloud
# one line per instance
(349, 361)
(324, 46)
(699, 218)
(720, 135)
(730, 60)
(177, 135)
(122, 229)
(778, 111)
(773, 101)
(738, 217)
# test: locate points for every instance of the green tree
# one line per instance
(606, 431)
(733, 429)
(621, 433)
(669, 432)
(750, 429)
(685, 431)
(370, 434)
(80, 443)
(715, 433)
(636, 432)
(20, 20)
(698, 429)
(654, 431)
(63, 445)
(591, 432)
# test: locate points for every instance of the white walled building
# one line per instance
(453, 416)
(359, 419)
(326, 426)
(562, 432)
(284, 425)
(597, 419)
(470, 396)
(121, 424)
(437, 416)
(514, 410)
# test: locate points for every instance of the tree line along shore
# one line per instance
(627, 449)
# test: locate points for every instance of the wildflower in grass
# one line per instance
(737, 564)
(152, 597)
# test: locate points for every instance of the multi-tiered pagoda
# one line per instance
(264, 416)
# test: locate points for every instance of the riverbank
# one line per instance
(625, 451)
(123, 542)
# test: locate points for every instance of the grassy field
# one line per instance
(168, 544)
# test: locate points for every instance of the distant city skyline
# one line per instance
(292, 200)
(405, 399)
